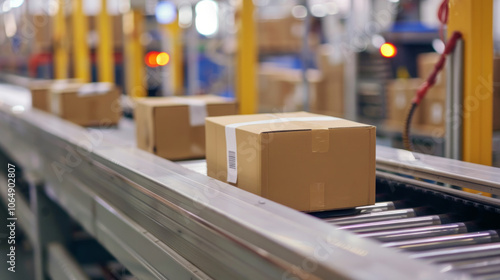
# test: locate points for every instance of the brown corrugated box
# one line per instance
(93, 104)
(400, 94)
(425, 65)
(41, 26)
(306, 161)
(280, 89)
(40, 92)
(329, 98)
(173, 127)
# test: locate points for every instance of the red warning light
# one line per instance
(154, 59)
(388, 50)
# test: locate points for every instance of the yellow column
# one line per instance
(61, 56)
(81, 54)
(105, 52)
(246, 81)
(174, 35)
(475, 20)
(134, 54)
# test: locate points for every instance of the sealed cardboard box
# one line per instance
(305, 161)
(92, 104)
(40, 92)
(174, 127)
(400, 94)
(425, 65)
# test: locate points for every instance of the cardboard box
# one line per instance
(329, 99)
(400, 94)
(305, 161)
(425, 65)
(41, 25)
(281, 89)
(40, 90)
(174, 127)
(93, 104)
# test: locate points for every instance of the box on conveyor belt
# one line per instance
(91, 104)
(400, 94)
(305, 161)
(425, 65)
(174, 127)
(40, 92)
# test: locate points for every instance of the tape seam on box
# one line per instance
(197, 110)
(94, 89)
(231, 144)
(317, 196)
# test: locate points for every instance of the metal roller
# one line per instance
(493, 276)
(459, 254)
(480, 271)
(473, 263)
(373, 217)
(419, 232)
(446, 241)
(379, 206)
(396, 224)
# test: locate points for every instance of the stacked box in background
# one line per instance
(329, 98)
(42, 31)
(433, 106)
(281, 89)
(305, 161)
(174, 127)
(282, 35)
(92, 104)
(400, 94)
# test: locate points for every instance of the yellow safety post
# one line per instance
(61, 56)
(105, 51)
(81, 54)
(134, 53)
(246, 78)
(174, 35)
(475, 20)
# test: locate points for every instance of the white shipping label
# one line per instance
(197, 110)
(55, 104)
(436, 113)
(231, 143)
(95, 89)
(400, 100)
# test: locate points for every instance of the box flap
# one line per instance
(266, 123)
(181, 100)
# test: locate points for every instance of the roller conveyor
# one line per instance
(205, 229)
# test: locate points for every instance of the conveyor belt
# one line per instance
(427, 223)
(427, 229)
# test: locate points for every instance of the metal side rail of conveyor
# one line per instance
(165, 221)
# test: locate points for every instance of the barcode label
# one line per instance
(231, 157)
